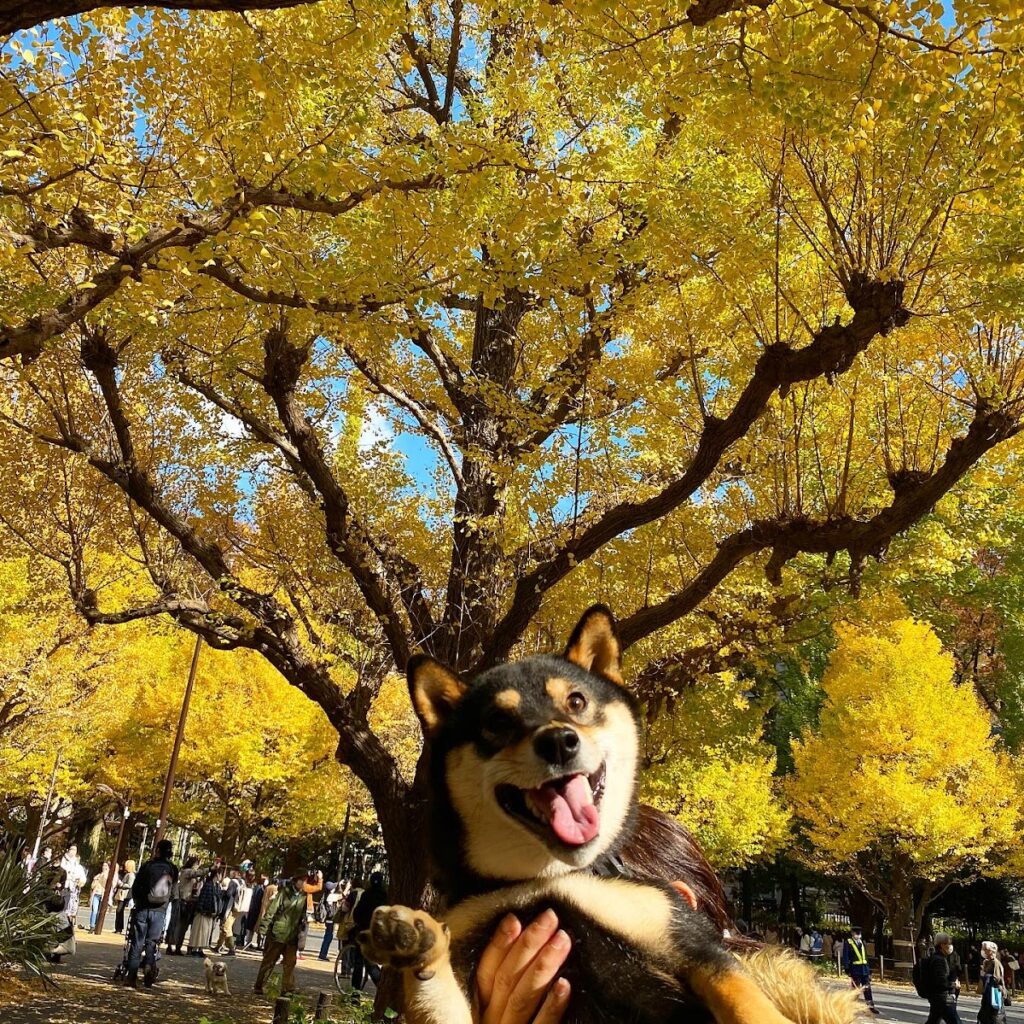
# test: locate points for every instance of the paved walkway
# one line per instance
(86, 994)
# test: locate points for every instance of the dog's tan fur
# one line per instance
(793, 986)
(216, 976)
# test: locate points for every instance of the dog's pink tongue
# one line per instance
(571, 811)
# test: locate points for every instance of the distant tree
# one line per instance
(901, 787)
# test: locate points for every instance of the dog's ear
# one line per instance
(594, 644)
(434, 689)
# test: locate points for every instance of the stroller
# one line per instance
(121, 970)
(120, 976)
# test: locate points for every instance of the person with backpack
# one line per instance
(856, 966)
(151, 892)
(817, 946)
(936, 979)
(207, 913)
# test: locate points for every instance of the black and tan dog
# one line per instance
(534, 772)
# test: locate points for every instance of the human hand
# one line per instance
(515, 974)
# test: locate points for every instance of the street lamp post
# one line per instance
(46, 809)
(161, 823)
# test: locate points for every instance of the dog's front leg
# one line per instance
(414, 943)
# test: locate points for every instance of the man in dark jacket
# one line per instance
(941, 977)
(374, 896)
(151, 892)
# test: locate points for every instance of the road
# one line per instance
(905, 1005)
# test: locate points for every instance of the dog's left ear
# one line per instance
(594, 644)
(434, 689)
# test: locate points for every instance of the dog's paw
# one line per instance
(406, 939)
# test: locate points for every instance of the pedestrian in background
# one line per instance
(284, 931)
(189, 884)
(151, 893)
(941, 982)
(374, 896)
(98, 888)
(233, 893)
(993, 986)
(257, 885)
(207, 915)
(856, 966)
(124, 894)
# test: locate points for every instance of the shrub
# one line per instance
(27, 929)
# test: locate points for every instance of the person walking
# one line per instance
(374, 896)
(284, 930)
(941, 982)
(856, 966)
(250, 919)
(270, 890)
(993, 986)
(207, 913)
(313, 885)
(124, 894)
(151, 892)
(234, 894)
(98, 888)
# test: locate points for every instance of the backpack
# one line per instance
(920, 981)
(243, 896)
(160, 889)
(817, 944)
(208, 902)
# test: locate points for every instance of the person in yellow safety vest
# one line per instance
(855, 963)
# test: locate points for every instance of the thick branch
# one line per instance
(878, 308)
(860, 537)
(19, 14)
(345, 534)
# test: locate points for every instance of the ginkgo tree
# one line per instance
(902, 787)
(621, 342)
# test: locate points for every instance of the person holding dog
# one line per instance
(284, 930)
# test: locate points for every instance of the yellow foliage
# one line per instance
(707, 766)
(902, 781)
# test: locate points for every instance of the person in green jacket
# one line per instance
(284, 929)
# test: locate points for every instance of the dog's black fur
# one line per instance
(613, 980)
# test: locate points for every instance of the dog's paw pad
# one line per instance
(404, 938)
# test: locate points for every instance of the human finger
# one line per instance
(533, 939)
(501, 942)
(533, 984)
(554, 1006)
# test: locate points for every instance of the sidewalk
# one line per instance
(86, 994)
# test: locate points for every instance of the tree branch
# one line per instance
(878, 308)
(862, 538)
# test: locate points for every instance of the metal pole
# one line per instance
(46, 808)
(111, 871)
(142, 845)
(169, 782)
(344, 841)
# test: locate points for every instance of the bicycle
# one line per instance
(343, 967)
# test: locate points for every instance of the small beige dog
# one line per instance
(216, 976)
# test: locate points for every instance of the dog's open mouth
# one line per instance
(567, 807)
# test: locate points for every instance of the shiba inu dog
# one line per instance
(534, 782)
(216, 976)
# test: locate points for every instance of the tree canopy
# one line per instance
(357, 330)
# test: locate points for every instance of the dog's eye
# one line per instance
(576, 703)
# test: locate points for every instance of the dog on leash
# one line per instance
(533, 771)
(216, 976)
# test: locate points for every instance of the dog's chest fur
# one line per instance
(625, 936)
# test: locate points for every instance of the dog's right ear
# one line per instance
(434, 689)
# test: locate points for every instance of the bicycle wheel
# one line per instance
(343, 968)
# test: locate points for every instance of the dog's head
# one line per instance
(538, 758)
(215, 967)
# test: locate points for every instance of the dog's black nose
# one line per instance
(558, 745)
